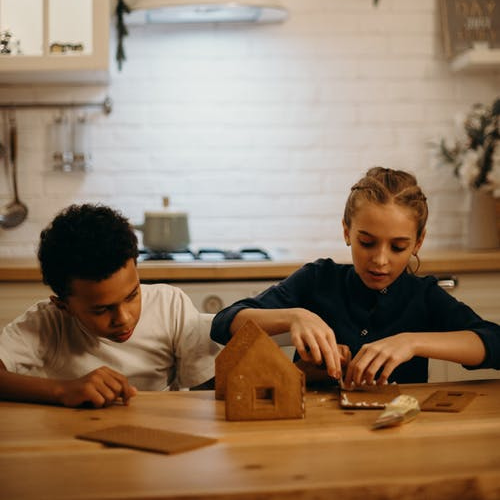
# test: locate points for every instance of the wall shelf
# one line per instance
(106, 105)
(46, 67)
(477, 59)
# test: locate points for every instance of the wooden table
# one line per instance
(331, 454)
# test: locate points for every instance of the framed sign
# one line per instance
(466, 22)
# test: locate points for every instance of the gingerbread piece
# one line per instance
(256, 379)
(449, 401)
(145, 438)
(368, 396)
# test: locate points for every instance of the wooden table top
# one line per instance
(332, 453)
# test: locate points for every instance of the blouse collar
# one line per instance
(358, 291)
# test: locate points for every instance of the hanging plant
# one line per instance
(122, 31)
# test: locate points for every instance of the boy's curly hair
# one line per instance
(86, 241)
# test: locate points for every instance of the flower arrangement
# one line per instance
(475, 154)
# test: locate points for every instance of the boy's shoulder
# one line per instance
(43, 310)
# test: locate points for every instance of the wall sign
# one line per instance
(466, 22)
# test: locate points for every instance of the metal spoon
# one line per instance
(14, 213)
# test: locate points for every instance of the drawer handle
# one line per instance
(212, 304)
(448, 282)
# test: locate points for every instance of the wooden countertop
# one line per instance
(432, 262)
(332, 453)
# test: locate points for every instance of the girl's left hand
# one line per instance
(385, 354)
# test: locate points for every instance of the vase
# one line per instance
(482, 231)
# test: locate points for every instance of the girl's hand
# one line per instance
(385, 354)
(100, 387)
(315, 341)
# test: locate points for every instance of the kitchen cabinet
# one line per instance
(55, 41)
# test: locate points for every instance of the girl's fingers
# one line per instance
(301, 349)
(386, 372)
(331, 356)
(372, 368)
(356, 367)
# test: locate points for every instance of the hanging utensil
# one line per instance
(14, 213)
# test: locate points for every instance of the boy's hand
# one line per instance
(100, 387)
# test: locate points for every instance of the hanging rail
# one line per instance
(106, 105)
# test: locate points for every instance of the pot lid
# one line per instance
(166, 211)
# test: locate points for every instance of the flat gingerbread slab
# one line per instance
(452, 401)
(144, 438)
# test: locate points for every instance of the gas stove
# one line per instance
(206, 254)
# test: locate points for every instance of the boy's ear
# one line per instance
(347, 239)
(59, 303)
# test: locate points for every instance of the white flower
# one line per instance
(469, 168)
(475, 152)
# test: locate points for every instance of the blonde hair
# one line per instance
(384, 185)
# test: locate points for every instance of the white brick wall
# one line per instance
(259, 132)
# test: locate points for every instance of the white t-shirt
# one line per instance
(170, 346)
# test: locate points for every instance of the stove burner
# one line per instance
(206, 254)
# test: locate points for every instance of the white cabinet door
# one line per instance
(55, 41)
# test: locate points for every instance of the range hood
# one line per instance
(196, 11)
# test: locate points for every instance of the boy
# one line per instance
(102, 335)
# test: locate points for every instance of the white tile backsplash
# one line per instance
(258, 132)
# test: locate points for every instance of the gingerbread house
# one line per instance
(256, 379)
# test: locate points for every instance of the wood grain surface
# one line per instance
(332, 453)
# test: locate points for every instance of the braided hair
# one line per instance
(384, 185)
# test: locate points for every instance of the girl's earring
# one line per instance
(418, 263)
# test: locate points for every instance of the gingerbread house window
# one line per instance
(264, 397)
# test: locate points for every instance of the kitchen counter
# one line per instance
(432, 262)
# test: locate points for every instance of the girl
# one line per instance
(389, 319)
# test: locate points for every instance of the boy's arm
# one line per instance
(100, 388)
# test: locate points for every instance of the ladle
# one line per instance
(14, 213)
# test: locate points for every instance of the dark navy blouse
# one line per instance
(359, 315)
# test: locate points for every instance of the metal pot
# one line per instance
(165, 230)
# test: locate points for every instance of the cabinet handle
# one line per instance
(447, 282)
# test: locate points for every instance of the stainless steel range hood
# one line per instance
(196, 11)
